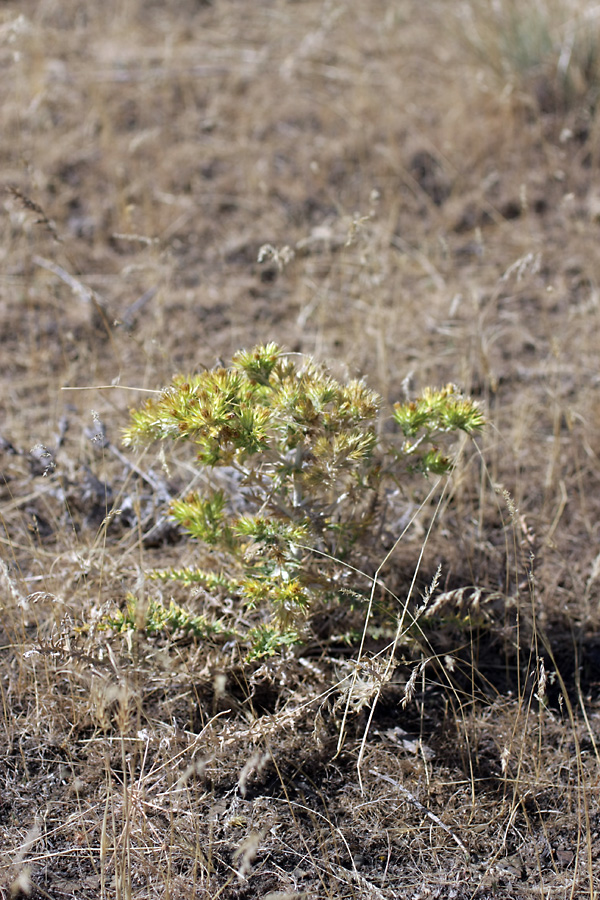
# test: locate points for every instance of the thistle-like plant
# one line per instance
(304, 472)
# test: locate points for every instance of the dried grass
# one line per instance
(443, 229)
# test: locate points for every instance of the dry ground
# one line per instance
(443, 207)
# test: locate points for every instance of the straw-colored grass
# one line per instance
(440, 219)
